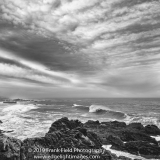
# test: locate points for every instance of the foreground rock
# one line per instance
(9, 148)
(65, 137)
(75, 140)
(133, 138)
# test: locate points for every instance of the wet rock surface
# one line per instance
(71, 137)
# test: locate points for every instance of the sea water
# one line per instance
(33, 118)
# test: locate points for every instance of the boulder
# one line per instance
(91, 123)
(152, 130)
(138, 126)
(118, 124)
(114, 124)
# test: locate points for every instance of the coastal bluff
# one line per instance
(72, 139)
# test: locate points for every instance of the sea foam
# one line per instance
(121, 153)
(19, 108)
(76, 105)
(157, 138)
(16, 118)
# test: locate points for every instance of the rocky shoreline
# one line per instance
(71, 139)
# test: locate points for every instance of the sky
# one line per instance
(79, 48)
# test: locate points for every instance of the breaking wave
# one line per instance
(98, 108)
(101, 110)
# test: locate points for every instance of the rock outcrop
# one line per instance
(133, 138)
(63, 137)
(73, 138)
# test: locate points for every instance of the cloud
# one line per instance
(130, 79)
(82, 43)
(16, 67)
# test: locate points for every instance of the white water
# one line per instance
(76, 105)
(29, 123)
(156, 137)
(143, 120)
(19, 108)
(20, 119)
(120, 153)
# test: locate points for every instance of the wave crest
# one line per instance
(98, 108)
(103, 110)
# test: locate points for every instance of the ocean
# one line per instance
(27, 119)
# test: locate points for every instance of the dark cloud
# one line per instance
(56, 55)
(13, 62)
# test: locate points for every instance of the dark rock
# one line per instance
(132, 147)
(118, 124)
(1, 121)
(144, 148)
(123, 158)
(67, 134)
(94, 137)
(138, 126)
(152, 130)
(132, 135)
(115, 124)
(64, 124)
(115, 141)
(91, 123)
(9, 148)
(149, 150)
(83, 130)
(35, 147)
(116, 133)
